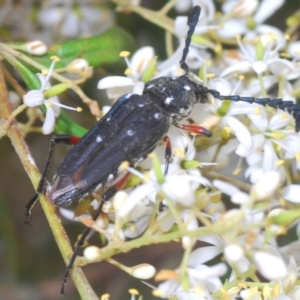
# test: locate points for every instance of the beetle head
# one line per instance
(177, 95)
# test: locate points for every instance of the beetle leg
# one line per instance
(106, 196)
(168, 153)
(56, 139)
(196, 129)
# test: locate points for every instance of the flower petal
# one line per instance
(240, 130)
(266, 185)
(141, 58)
(114, 81)
(203, 254)
(291, 193)
(49, 121)
(241, 67)
(34, 98)
(267, 9)
(270, 266)
(178, 188)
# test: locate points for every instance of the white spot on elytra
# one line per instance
(98, 187)
(141, 104)
(186, 87)
(110, 177)
(108, 119)
(150, 86)
(168, 100)
(99, 139)
(163, 89)
(130, 132)
(157, 116)
(185, 111)
(140, 159)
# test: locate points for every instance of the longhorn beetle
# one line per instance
(129, 132)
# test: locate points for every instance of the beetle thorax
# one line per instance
(176, 95)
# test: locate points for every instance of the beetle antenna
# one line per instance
(286, 105)
(192, 22)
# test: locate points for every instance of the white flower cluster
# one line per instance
(237, 241)
(55, 19)
(257, 142)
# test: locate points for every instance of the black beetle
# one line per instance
(129, 132)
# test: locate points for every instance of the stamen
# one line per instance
(133, 292)
(241, 77)
(124, 165)
(49, 104)
(136, 173)
(124, 53)
(210, 75)
(105, 297)
(128, 71)
(279, 162)
(49, 72)
(257, 110)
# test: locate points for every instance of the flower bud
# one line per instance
(143, 271)
(36, 48)
(92, 253)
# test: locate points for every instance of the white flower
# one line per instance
(170, 66)
(266, 185)
(237, 197)
(73, 21)
(36, 98)
(205, 280)
(239, 25)
(179, 189)
(230, 119)
(179, 184)
(117, 86)
(272, 133)
(269, 61)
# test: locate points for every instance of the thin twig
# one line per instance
(27, 161)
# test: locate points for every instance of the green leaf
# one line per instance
(99, 50)
(30, 79)
(65, 125)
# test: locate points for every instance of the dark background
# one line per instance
(31, 266)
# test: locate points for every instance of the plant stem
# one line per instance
(150, 239)
(22, 151)
(157, 18)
